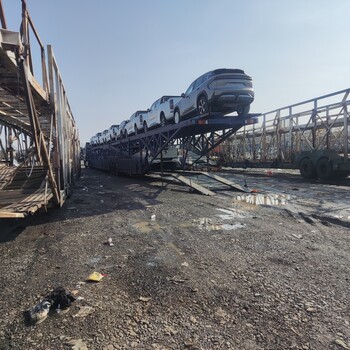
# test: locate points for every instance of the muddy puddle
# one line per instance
(147, 227)
(264, 199)
(229, 214)
(208, 225)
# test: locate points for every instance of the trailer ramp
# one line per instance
(39, 143)
(25, 193)
(185, 177)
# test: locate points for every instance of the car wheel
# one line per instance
(324, 169)
(243, 110)
(162, 120)
(145, 127)
(177, 117)
(307, 169)
(202, 105)
(135, 129)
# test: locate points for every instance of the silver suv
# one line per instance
(221, 90)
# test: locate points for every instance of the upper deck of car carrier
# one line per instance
(138, 154)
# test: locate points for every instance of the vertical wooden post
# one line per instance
(36, 129)
(2, 16)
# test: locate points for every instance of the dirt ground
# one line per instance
(186, 271)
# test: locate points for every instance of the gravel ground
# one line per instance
(205, 273)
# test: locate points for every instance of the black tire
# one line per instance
(177, 117)
(163, 121)
(243, 110)
(145, 127)
(324, 169)
(307, 169)
(202, 105)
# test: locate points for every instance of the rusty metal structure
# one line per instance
(39, 142)
(313, 129)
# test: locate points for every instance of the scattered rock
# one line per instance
(311, 309)
(220, 312)
(188, 343)
(84, 311)
(132, 333)
(341, 343)
(77, 344)
(145, 299)
(168, 330)
(193, 319)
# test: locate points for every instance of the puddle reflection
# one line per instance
(265, 199)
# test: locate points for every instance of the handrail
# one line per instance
(344, 91)
(27, 23)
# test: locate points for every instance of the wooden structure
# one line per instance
(39, 143)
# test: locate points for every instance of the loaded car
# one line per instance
(93, 140)
(161, 112)
(112, 133)
(221, 90)
(135, 123)
(105, 136)
(98, 138)
(121, 133)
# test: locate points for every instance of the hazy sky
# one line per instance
(120, 56)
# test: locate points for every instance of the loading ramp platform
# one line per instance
(25, 193)
(39, 142)
(186, 178)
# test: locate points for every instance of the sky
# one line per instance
(119, 56)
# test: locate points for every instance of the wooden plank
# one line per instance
(190, 183)
(10, 215)
(27, 205)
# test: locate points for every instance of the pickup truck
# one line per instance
(135, 124)
(161, 112)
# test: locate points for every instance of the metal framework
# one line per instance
(139, 153)
(37, 128)
(321, 123)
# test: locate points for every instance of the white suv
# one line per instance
(104, 136)
(112, 133)
(93, 140)
(121, 133)
(161, 112)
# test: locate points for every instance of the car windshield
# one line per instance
(189, 89)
